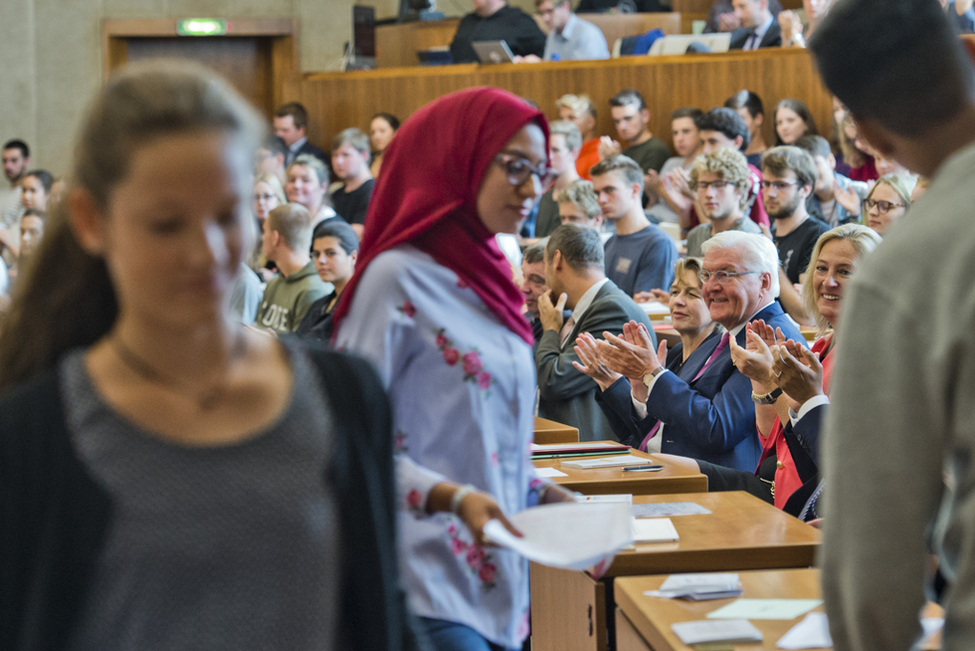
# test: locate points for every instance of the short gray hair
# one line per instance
(757, 253)
(313, 163)
(581, 247)
(573, 139)
(535, 253)
(354, 137)
(581, 195)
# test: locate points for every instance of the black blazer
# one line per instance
(311, 149)
(772, 38)
(54, 518)
(564, 394)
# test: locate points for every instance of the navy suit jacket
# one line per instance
(712, 419)
(772, 38)
(312, 150)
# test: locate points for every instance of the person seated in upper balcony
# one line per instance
(494, 20)
(570, 38)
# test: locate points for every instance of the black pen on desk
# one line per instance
(646, 468)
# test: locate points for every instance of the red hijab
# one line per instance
(426, 194)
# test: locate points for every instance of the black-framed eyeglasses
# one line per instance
(780, 186)
(721, 277)
(720, 184)
(883, 206)
(517, 169)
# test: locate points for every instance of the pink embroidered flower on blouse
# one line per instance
(408, 309)
(399, 441)
(442, 340)
(524, 628)
(472, 363)
(534, 483)
(414, 498)
(457, 546)
(487, 573)
(452, 529)
(451, 356)
(484, 380)
(475, 556)
(494, 455)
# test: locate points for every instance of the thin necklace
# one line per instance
(206, 400)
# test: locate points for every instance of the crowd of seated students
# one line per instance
(740, 396)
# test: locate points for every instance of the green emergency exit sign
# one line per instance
(201, 27)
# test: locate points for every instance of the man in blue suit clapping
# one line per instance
(710, 415)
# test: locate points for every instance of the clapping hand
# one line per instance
(592, 363)
(755, 360)
(797, 372)
(658, 295)
(728, 22)
(790, 26)
(631, 355)
(609, 148)
(847, 198)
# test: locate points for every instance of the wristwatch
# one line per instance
(768, 398)
(648, 378)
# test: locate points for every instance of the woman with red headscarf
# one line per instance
(433, 305)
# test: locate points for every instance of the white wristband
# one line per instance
(459, 496)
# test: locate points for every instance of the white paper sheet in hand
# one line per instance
(570, 535)
(811, 633)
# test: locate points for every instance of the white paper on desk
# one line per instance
(569, 535)
(621, 497)
(811, 633)
(648, 530)
(549, 472)
(704, 631)
(698, 586)
(655, 307)
(665, 509)
(607, 462)
(765, 609)
(554, 448)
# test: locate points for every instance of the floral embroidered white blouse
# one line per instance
(462, 388)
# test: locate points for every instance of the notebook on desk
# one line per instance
(607, 462)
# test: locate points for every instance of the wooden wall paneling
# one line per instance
(339, 100)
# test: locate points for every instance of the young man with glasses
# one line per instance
(789, 177)
(719, 127)
(720, 179)
(640, 257)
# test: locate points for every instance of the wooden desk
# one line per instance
(672, 479)
(548, 431)
(572, 611)
(396, 45)
(643, 623)
(338, 100)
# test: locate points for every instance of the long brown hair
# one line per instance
(64, 298)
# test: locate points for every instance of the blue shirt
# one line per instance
(641, 261)
(579, 40)
(965, 22)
